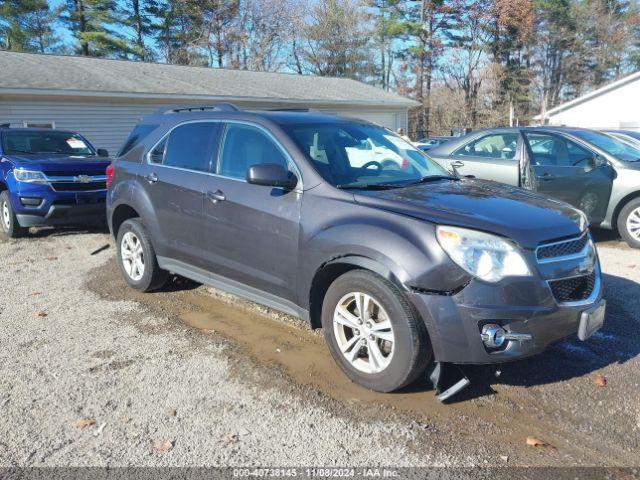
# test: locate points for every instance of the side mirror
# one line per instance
(599, 161)
(596, 162)
(271, 175)
(102, 152)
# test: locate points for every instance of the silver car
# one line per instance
(628, 136)
(593, 171)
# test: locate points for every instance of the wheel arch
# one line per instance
(621, 204)
(329, 271)
(121, 214)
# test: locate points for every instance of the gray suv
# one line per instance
(345, 224)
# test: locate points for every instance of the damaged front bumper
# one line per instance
(525, 308)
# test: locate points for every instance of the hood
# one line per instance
(523, 216)
(622, 165)
(60, 163)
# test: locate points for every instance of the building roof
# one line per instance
(595, 93)
(29, 73)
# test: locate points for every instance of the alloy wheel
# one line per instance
(633, 223)
(132, 256)
(363, 332)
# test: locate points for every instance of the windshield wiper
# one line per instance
(14, 151)
(433, 178)
(371, 186)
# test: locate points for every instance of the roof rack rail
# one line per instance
(194, 107)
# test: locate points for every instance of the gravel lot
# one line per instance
(190, 376)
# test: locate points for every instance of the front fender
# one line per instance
(405, 252)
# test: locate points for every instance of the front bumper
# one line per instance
(56, 208)
(64, 215)
(527, 306)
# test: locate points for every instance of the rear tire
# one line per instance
(629, 223)
(385, 349)
(8, 220)
(137, 258)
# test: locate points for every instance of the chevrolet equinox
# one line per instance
(344, 224)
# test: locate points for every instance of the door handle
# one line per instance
(151, 178)
(457, 164)
(216, 196)
(546, 177)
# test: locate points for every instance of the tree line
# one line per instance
(470, 63)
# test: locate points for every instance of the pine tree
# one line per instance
(27, 25)
(92, 24)
(138, 17)
(388, 30)
(179, 31)
(427, 27)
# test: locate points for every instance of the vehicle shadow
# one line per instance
(602, 235)
(46, 232)
(176, 283)
(610, 238)
(616, 342)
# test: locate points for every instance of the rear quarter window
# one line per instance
(189, 146)
(139, 133)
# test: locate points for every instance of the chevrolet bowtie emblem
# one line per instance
(82, 179)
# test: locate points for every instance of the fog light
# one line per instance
(30, 201)
(493, 336)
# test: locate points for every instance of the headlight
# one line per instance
(485, 256)
(581, 220)
(29, 176)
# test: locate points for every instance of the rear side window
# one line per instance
(157, 154)
(245, 146)
(499, 146)
(139, 133)
(188, 146)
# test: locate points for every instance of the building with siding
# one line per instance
(614, 106)
(104, 99)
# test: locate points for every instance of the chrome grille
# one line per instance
(573, 289)
(77, 181)
(562, 249)
(571, 268)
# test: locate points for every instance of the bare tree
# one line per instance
(468, 63)
(336, 40)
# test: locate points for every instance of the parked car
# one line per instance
(361, 153)
(591, 170)
(628, 136)
(399, 266)
(428, 143)
(49, 177)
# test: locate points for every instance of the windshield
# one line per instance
(44, 141)
(611, 145)
(354, 155)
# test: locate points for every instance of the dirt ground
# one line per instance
(94, 373)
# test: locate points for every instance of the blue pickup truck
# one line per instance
(49, 177)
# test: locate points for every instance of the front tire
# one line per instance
(137, 258)
(629, 223)
(373, 332)
(8, 220)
